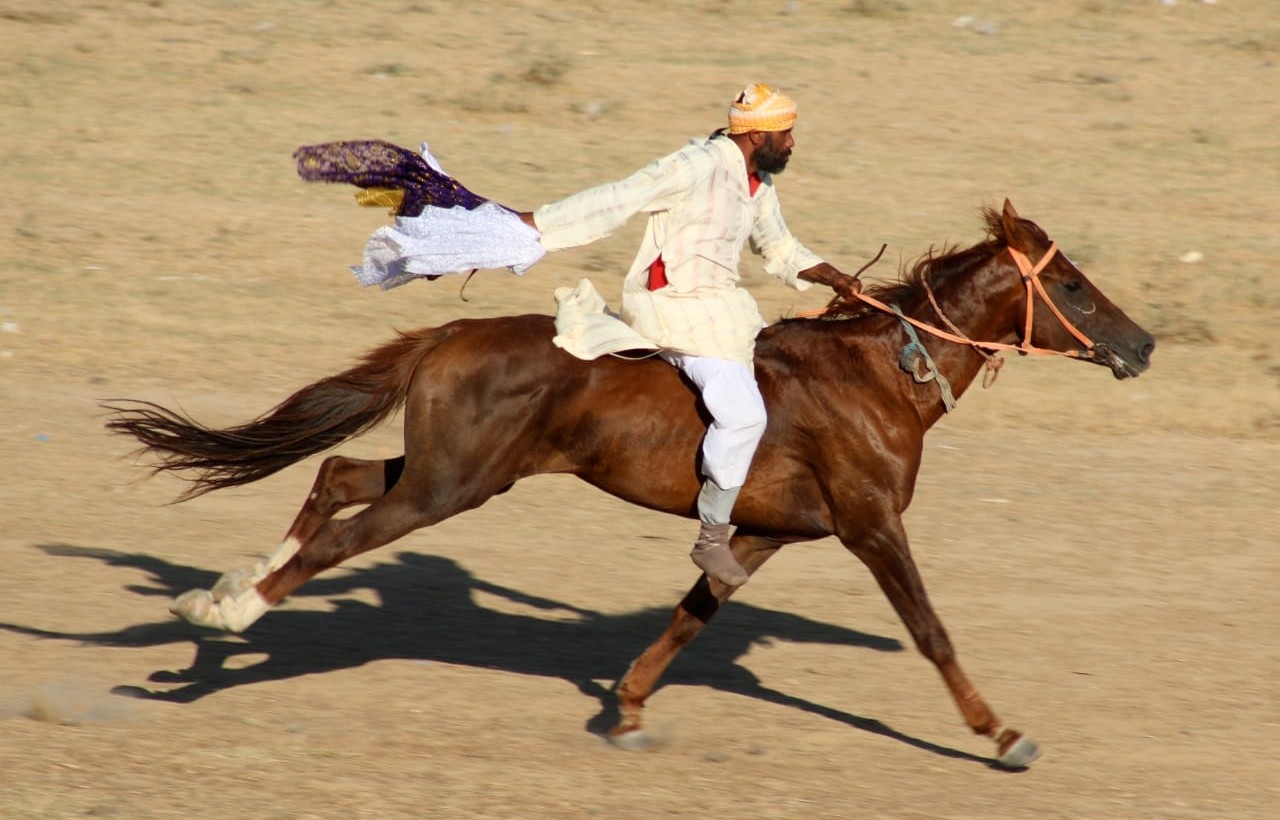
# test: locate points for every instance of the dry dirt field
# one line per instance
(1104, 554)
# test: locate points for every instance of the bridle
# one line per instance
(1034, 287)
(1031, 279)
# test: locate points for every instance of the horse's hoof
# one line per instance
(235, 581)
(632, 740)
(194, 606)
(1017, 751)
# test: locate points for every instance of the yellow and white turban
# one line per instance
(761, 108)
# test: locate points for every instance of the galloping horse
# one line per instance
(490, 401)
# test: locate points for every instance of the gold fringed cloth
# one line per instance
(392, 200)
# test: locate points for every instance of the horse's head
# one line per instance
(1068, 313)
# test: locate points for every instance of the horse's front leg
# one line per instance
(699, 605)
(341, 482)
(887, 555)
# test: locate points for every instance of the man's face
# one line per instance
(772, 154)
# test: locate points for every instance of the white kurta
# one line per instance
(701, 214)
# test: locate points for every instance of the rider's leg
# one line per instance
(711, 549)
(732, 397)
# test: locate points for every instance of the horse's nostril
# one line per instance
(1145, 353)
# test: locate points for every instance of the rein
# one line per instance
(1031, 281)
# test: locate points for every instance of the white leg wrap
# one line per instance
(234, 602)
(288, 548)
(234, 613)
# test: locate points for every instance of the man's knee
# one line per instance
(736, 404)
(746, 414)
(746, 423)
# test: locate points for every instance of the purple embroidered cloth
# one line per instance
(378, 164)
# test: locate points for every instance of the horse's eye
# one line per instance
(1072, 285)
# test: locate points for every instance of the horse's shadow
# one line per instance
(428, 612)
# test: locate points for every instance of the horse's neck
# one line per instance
(981, 304)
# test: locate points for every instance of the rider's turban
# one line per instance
(761, 108)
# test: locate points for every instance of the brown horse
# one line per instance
(490, 401)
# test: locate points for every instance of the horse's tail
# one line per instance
(316, 418)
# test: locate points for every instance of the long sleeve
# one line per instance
(597, 212)
(784, 256)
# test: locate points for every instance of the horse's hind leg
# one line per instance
(340, 482)
(338, 539)
(693, 613)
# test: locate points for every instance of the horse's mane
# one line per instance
(933, 268)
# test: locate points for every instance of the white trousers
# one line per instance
(732, 397)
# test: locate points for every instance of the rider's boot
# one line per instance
(711, 551)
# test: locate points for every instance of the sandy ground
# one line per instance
(1103, 553)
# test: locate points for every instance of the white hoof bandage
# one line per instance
(234, 602)
(234, 613)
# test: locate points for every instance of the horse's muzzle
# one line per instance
(1121, 367)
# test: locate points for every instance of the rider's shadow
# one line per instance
(428, 611)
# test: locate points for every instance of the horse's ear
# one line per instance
(1009, 221)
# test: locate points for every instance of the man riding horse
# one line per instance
(703, 203)
(487, 402)
(681, 296)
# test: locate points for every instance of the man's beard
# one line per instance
(769, 159)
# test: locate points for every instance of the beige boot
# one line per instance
(712, 555)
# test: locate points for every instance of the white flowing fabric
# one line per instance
(447, 240)
(587, 329)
